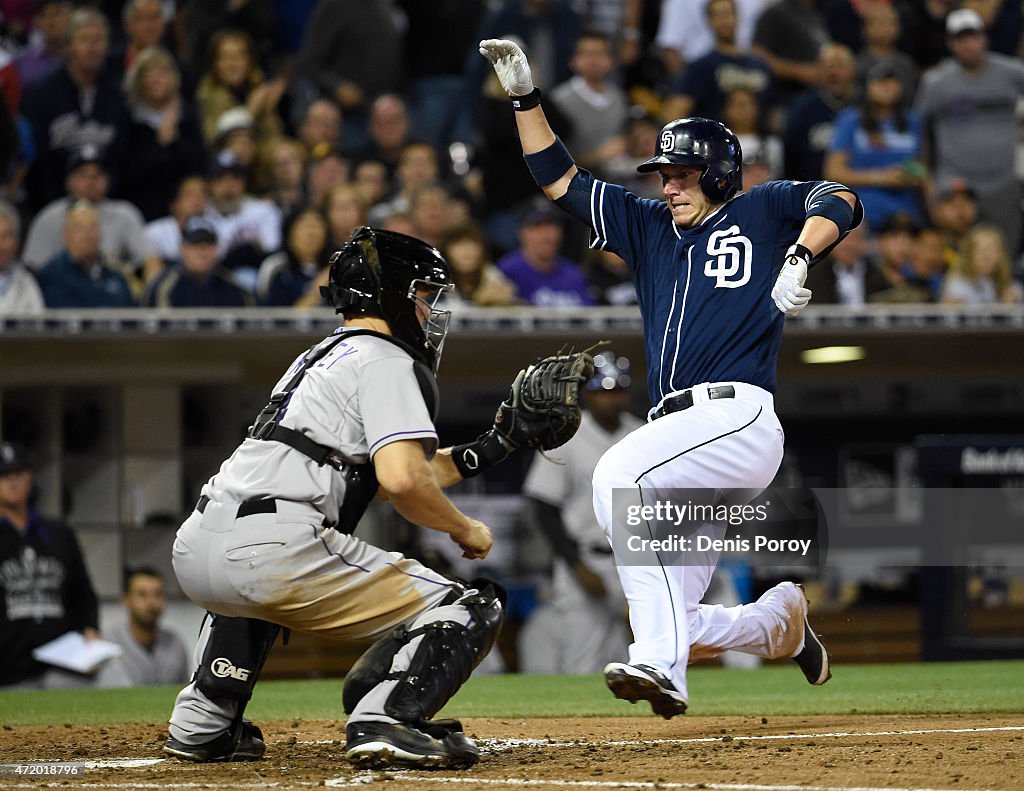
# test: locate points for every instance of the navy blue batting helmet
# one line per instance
(701, 142)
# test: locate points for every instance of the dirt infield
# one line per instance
(964, 752)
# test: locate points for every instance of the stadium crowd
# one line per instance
(184, 153)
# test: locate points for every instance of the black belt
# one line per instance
(256, 505)
(684, 400)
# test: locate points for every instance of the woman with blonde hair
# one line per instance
(232, 78)
(981, 275)
(160, 137)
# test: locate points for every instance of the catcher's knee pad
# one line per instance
(234, 656)
(446, 654)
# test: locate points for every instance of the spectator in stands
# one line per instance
(436, 42)
(75, 105)
(686, 33)
(388, 129)
(351, 54)
(477, 280)
(982, 274)
(283, 169)
(198, 280)
(417, 166)
(206, 18)
(954, 211)
(232, 78)
(707, 81)
(742, 113)
(320, 130)
(324, 173)
(876, 149)
(37, 607)
(881, 33)
(19, 292)
(608, 278)
(145, 25)
(641, 139)
(371, 177)
(788, 37)
(541, 276)
(810, 117)
(431, 212)
(122, 228)
(286, 276)
(248, 229)
(345, 210)
(968, 105)
(80, 276)
(756, 170)
(596, 108)
(191, 200)
(849, 275)
(150, 653)
(894, 243)
(236, 132)
(48, 43)
(161, 139)
(919, 278)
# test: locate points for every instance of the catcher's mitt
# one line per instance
(543, 408)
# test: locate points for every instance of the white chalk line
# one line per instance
(502, 745)
(346, 782)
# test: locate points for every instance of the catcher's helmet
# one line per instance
(701, 142)
(378, 273)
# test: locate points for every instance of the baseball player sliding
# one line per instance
(269, 546)
(707, 265)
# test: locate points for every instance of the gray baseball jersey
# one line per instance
(362, 395)
(574, 633)
(565, 481)
(286, 566)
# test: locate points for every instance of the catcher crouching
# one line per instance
(269, 544)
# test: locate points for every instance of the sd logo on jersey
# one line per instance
(732, 252)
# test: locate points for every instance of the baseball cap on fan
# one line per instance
(964, 20)
(89, 154)
(198, 230)
(227, 161)
(13, 458)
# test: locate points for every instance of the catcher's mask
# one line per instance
(397, 278)
(701, 143)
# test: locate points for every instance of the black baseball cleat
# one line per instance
(234, 744)
(813, 658)
(379, 745)
(642, 682)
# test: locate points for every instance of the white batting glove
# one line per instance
(510, 64)
(789, 293)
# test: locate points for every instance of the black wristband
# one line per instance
(527, 102)
(799, 250)
(476, 456)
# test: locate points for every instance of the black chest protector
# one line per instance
(361, 481)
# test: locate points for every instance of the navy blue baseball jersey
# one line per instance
(704, 292)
